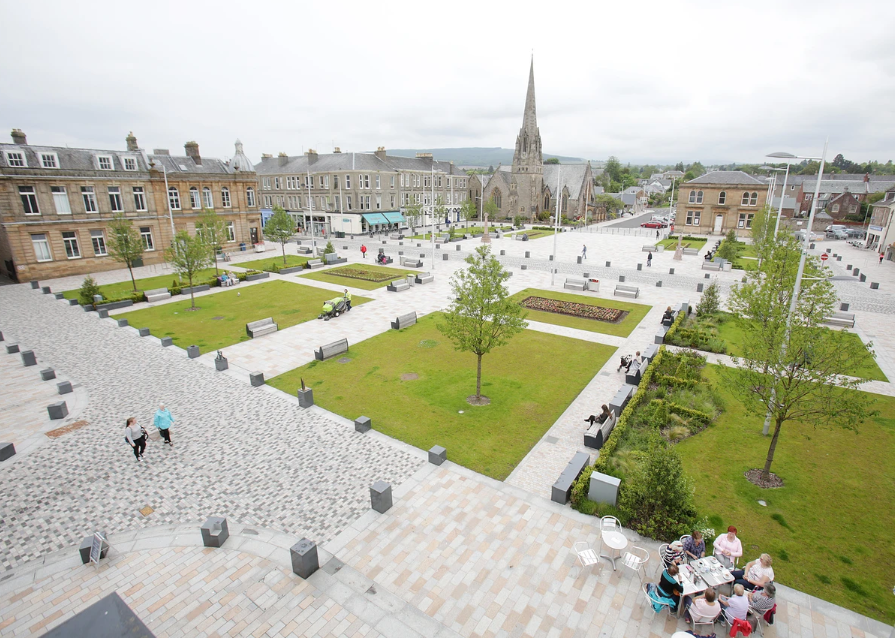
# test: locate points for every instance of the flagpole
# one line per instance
(432, 204)
(556, 223)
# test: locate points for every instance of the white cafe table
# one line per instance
(615, 541)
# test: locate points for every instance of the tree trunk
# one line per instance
(766, 471)
(214, 254)
(131, 271)
(283, 246)
(192, 294)
(478, 378)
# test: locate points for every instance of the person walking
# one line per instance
(584, 252)
(649, 260)
(363, 250)
(657, 234)
(881, 258)
(163, 421)
(135, 436)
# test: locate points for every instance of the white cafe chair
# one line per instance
(759, 619)
(587, 556)
(662, 549)
(704, 623)
(646, 588)
(636, 559)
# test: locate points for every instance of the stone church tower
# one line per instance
(528, 163)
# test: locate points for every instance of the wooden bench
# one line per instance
(305, 250)
(261, 327)
(563, 486)
(845, 319)
(159, 294)
(575, 284)
(402, 321)
(691, 251)
(627, 291)
(399, 285)
(315, 263)
(711, 265)
(331, 349)
(425, 278)
(411, 262)
(649, 249)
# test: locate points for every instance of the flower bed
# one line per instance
(360, 273)
(585, 311)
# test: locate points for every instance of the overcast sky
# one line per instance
(645, 81)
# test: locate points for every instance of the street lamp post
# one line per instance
(785, 156)
(556, 223)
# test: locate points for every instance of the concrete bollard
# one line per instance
(122, 323)
(608, 264)
(848, 267)
(437, 455)
(73, 302)
(363, 424)
(699, 287)
(528, 254)
(12, 348)
(143, 332)
(843, 307)
(671, 271)
(621, 279)
(503, 252)
(304, 558)
(167, 341)
(57, 410)
(305, 398)
(639, 266)
(707, 276)
(874, 285)
(856, 272)
(256, 379)
(579, 259)
(550, 258)
(103, 314)
(444, 256)
(35, 285)
(7, 451)
(47, 374)
(839, 258)
(862, 278)
(381, 496)
(64, 387)
(58, 296)
(28, 358)
(192, 351)
(46, 290)
(524, 267)
(659, 284)
(215, 531)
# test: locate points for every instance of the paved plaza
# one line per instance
(458, 555)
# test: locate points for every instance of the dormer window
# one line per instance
(15, 159)
(49, 160)
(104, 162)
(130, 163)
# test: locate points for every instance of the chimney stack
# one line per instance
(283, 159)
(18, 137)
(337, 150)
(312, 155)
(427, 156)
(131, 142)
(380, 153)
(192, 150)
(266, 156)
(161, 151)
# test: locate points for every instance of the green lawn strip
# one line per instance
(332, 276)
(122, 288)
(287, 302)
(533, 234)
(636, 312)
(268, 263)
(671, 243)
(732, 333)
(748, 252)
(530, 382)
(833, 519)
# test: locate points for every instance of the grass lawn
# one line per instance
(111, 291)
(731, 332)
(671, 243)
(747, 258)
(459, 231)
(221, 318)
(533, 234)
(829, 529)
(530, 382)
(332, 276)
(636, 312)
(268, 263)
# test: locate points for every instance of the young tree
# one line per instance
(413, 211)
(213, 230)
(710, 302)
(491, 209)
(791, 365)
(189, 254)
(440, 210)
(125, 244)
(468, 211)
(88, 289)
(729, 248)
(279, 228)
(763, 232)
(481, 317)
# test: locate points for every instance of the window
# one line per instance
(139, 198)
(60, 200)
(853, 209)
(722, 197)
(392, 182)
(392, 199)
(209, 200)
(745, 220)
(426, 181)
(338, 201)
(276, 183)
(379, 202)
(70, 240)
(29, 200)
(49, 160)
(335, 181)
(692, 218)
(225, 197)
(745, 200)
(130, 163)
(348, 182)
(754, 199)
(115, 199)
(266, 183)
(250, 196)
(402, 180)
(378, 182)
(438, 181)
(194, 198)
(348, 199)
(267, 201)
(146, 236)
(16, 159)
(41, 248)
(173, 198)
(230, 232)
(835, 208)
(104, 162)
(324, 181)
(99, 243)
(366, 181)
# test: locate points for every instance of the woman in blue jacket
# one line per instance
(163, 421)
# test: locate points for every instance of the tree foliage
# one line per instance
(189, 254)
(607, 203)
(88, 289)
(729, 248)
(481, 317)
(413, 211)
(213, 230)
(125, 244)
(468, 210)
(279, 228)
(710, 302)
(551, 160)
(794, 371)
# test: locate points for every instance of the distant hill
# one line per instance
(474, 156)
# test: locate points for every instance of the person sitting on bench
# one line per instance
(599, 419)
(668, 315)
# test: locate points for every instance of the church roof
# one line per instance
(573, 176)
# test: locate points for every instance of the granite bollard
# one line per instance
(304, 558)
(28, 358)
(363, 424)
(57, 410)
(144, 332)
(47, 373)
(12, 348)
(122, 323)
(437, 455)
(381, 496)
(7, 451)
(64, 387)
(192, 351)
(256, 379)
(214, 531)
(167, 341)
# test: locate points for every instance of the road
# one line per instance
(634, 222)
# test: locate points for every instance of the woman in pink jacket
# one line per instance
(728, 548)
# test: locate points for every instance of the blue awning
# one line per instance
(375, 218)
(395, 218)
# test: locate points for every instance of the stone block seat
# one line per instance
(159, 294)
(403, 321)
(691, 251)
(562, 488)
(711, 265)
(261, 327)
(424, 278)
(315, 263)
(627, 291)
(398, 286)
(844, 319)
(411, 262)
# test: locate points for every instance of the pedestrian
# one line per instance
(135, 436)
(347, 299)
(584, 252)
(657, 234)
(649, 259)
(163, 421)
(363, 250)
(881, 258)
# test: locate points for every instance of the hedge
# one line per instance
(582, 485)
(675, 325)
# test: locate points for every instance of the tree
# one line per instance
(491, 209)
(414, 212)
(551, 160)
(279, 228)
(88, 289)
(189, 254)
(213, 230)
(791, 365)
(468, 210)
(696, 168)
(607, 203)
(710, 302)
(329, 249)
(729, 248)
(440, 210)
(481, 317)
(763, 232)
(125, 244)
(613, 169)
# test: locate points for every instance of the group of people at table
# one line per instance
(753, 586)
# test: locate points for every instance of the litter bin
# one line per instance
(242, 246)
(411, 279)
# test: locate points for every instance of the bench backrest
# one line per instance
(407, 320)
(572, 280)
(314, 261)
(157, 291)
(627, 288)
(847, 316)
(254, 325)
(334, 348)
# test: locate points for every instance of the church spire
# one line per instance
(528, 158)
(530, 117)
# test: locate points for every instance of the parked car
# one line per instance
(800, 235)
(652, 224)
(836, 234)
(856, 233)
(832, 227)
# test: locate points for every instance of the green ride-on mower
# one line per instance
(333, 308)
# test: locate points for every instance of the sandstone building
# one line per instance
(718, 202)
